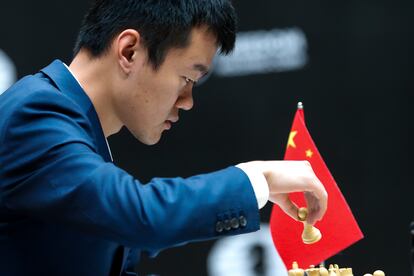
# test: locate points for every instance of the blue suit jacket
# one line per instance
(66, 209)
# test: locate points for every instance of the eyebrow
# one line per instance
(201, 67)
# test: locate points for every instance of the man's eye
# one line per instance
(188, 80)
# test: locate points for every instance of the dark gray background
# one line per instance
(357, 90)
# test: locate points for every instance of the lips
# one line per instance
(173, 120)
(168, 124)
(170, 121)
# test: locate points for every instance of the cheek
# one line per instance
(131, 106)
(153, 96)
(168, 93)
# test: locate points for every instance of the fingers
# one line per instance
(316, 198)
(285, 177)
(317, 203)
(313, 208)
(289, 207)
(313, 204)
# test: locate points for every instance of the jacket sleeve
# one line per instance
(51, 171)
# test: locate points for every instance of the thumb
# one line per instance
(289, 207)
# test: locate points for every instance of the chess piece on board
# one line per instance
(337, 269)
(310, 233)
(332, 271)
(345, 272)
(323, 271)
(296, 271)
(312, 271)
(376, 273)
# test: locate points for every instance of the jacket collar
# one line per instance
(68, 85)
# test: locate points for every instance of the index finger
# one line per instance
(317, 202)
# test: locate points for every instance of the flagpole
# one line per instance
(300, 110)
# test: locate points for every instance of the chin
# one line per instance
(151, 142)
(148, 140)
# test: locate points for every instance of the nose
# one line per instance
(185, 100)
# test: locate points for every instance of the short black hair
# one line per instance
(163, 24)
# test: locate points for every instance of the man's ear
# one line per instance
(128, 49)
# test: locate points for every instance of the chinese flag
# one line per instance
(338, 227)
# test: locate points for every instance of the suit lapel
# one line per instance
(68, 85)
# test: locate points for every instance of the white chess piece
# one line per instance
(310, 233)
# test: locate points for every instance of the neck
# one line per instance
(94, 75)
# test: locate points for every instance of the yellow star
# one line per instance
(292, 135)
(309, 153)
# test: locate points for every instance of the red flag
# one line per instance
(338, 227)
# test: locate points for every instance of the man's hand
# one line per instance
(285, 177)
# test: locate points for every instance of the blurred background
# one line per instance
(350, 63)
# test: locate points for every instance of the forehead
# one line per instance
(201, 48)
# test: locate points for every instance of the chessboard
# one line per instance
(333, 270)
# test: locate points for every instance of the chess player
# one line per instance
(66, 208)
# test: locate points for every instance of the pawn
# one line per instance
(332, 271)
(378, 273)
(367, 274)
(323, 271)
(310, 234)
(337, 269)
(296, 271)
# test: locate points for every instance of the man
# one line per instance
(66, 209)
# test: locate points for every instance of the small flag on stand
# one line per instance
(338, 227)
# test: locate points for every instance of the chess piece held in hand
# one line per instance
(310, 234)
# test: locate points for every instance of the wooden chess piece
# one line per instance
(367, 274)
(310, 233)
(312, 271)
(337, 269)
(296, 271)
(332, 271)
(323, 271)
(345, 272)
(379, 273)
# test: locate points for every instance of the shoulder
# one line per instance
(34, 104)
(38, 122)
(33, 94)
(34, 91)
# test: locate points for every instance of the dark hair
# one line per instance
(163, 24)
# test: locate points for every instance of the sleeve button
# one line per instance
(219, 226)
(227, 225)
(242, 221)
(234, 223)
